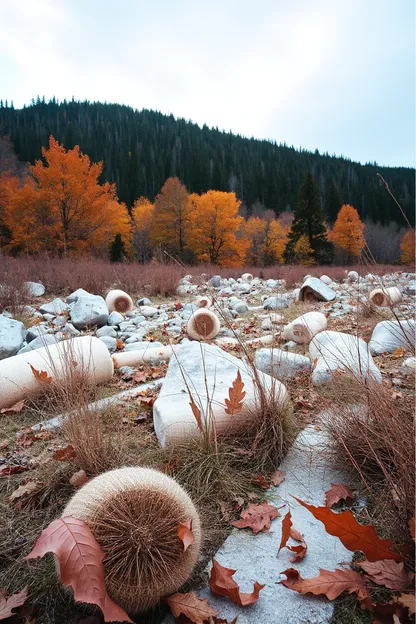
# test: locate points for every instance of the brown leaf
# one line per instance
(9, 603)
(330, 584)
(221, 583)
(23, 490)
(261, 481)
(286, 526)
(296, 535)
(41, 375)
(78, 478)
(353, 535)
(300, 551)
(277, 477)
(185, 534)
(65, 454)
(407, 600)
(236, 396)
(337, 492)
(6, 471)
(197, 414)
(388, 573)
(14, 409)
(257, 517)
(412, 527)
(4, 444)
(191, 606)
(80, 563)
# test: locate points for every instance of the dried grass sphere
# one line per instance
(119, 301)
(203, 325)
(134, 514)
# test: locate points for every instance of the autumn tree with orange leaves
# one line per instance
(171, 217)
(407, 247)
(347, 233)
(214, 229)
(62, 208)
(142, 215)
(267, 238)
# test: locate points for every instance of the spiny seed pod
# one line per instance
(134, 514)
(203, 325)
(119, 301)
(384, 297)
(204, 302)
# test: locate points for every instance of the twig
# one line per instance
(390, 193)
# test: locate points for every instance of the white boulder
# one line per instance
(281, 364)
(89, 310)
(305, 327)
(314, 289)
(388, 336)
(12, 335)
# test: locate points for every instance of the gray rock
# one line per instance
(41, 341)
(115, 318)
(12, 335)
(88, 311)
(148, 311)
(314, 288)
(55, 307)
(48, 317)
(409, 365)
(144, 301)
(70, 331)
(281, 364)
(127, 372)
(106, 331)
(215, 281)
(388, 336)
(110, 342)
(138, 319)
(36, 331)
(410, 288)
(34, 289)
(59, 321)
(241, 307)
(276, 303)
(80, 292)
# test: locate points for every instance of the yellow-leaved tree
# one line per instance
(170, 220)
(347, 233)
(62, 208)
(142, 214)
(303, 252)
(267, 238)
(215, 229)
(407, 246)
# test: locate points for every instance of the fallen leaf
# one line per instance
(14, 409)
(277, 477)
(261, 481)
(388, 573)
(197, 414)
(6, 471)
(399, 352)
(330, 584)
(65, 454)
(407, 600)
(236, 396)
(185, 534)
(337, 492)
(412, 527)
(353, 535)
(286, 526)
(300, 551)
(41, 375)
(78, 478)
(80, 563)
(8, 603)
(191, 606)
(221, 583)
(257, 517)
(23, 490)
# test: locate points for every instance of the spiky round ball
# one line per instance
(134, 514)
(119, 301)
(203, 325)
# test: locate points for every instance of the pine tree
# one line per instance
(333, 202)
(117, 249)
(309, 221)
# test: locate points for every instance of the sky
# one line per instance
(332, 75)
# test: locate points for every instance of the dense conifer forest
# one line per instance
(141, 149)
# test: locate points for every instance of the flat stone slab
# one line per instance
(255, 558)
(314, 288)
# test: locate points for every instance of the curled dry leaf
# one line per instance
(221, 583)
(6, 471)
(257, 517)
(286, 526)
(41, 375)
(353, 535)
(23, 490)
(277, 477)
(80, 563)
(300, 551)
(407, 600)
(236, 396)
(14, 409)
(388, 573)
(336, 493)
(65, 454)
(78, 478)
(185, 534)
(330, 584)
(9, 603)
(193, 607)
(197, 414)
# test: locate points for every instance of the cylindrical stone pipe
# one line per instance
(88, 356)
(203, 325)
(119, 301)
(305, 327)
(143, 356)
(385, 297)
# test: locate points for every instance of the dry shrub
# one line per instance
(374, 437)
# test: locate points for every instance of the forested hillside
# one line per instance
(141, 149)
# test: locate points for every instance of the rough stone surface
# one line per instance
(34, 289)
(148, 311)
(409, 365)
(110, 342)
(106, 331)
(313, 287)
(57, 306)
(281, 364)
(12, 335)
(91, 310)
(115, 318)
(80, 292)
(388, 336)
(35, 332)
(308, 476)
(39, 342)
(276, 303)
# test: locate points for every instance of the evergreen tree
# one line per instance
(333, 202)
(117, 249)
(309, 221)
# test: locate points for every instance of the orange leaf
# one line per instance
(407, 600)
(80, 563)
(331, 584)
(65, 454)
(388, 573)
(191, 606)
(185, 534)
(286, 526)
(14, 409)
(353, 535)
(257, 517)
(221, 583)
(9, 603)
(41, 375)
(277, 477)
(337, 492)
(197, 414)
(300, 551)
(236, 396)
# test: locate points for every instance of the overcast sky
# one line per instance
(336, 75)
